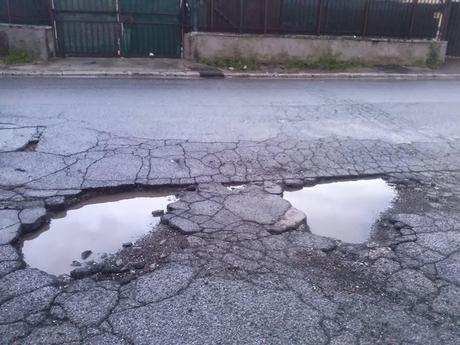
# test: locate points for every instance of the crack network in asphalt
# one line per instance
(214, 271)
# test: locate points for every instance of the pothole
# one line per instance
(92, 229)
(346, 211)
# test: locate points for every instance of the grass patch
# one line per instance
(14, 57)
(238, 64)
(325, 62)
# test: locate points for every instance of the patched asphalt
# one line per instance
(234, 265)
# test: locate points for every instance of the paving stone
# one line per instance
(7, 267)
(309, 240)
(205, 208)
(184, 225)
(12, 331)
(291, 220)
(15, 138)
(32, 218)
(18, 168)
(250, 316)
(9, 226)
(23, 281)
(52, 335)
(104, 339)
(386, 266)
(412, 281)
(57, 312)
(89, 307)
(120, 167)
(449, 269)
(8, 253)
(18, 308)
(448, 301)
(8, 218)
(270, 208)
(273, 188)
(344, 339)
(37, 318)
(167, 168)
(163, 283)
(444, 242)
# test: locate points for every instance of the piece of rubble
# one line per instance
(32, 218)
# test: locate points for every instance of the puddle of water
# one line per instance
(101, 225)
(343, 210)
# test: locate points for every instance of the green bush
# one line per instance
(433, 60)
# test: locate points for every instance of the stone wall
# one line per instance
(36, 41)
(275, 48)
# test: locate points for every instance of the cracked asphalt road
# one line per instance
(215, 272)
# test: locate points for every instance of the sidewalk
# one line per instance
(182, 69)
(104, 67)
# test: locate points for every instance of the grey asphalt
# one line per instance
(237, 110)
(237, 276)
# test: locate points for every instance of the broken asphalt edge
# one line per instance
(229, 75)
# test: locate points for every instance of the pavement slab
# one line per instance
(215, 207)
(232, 261)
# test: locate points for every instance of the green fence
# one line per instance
(151, 27)
(32, 12)
(453, 30)
(146, 27)
(87, 27)
(379, 18)
(118, 27)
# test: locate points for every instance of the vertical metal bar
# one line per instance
(53, 26)
(241, 16)
(365, 17)
(412, 17)
(181, 28)
(319, 16)
(280, 18)
(80, 32)
(50, 12)
(179, 51)
(120, 25)
(265, 15)
(8, 11)
(211, 5)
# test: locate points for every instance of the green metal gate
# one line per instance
(118, 27)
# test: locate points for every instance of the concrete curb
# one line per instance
(345, 76)
(229, 75)
(102, 74)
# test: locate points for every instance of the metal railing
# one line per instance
(377, 18)
(32, 12)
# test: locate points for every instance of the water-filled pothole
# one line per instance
(343, 210)
(101, 225)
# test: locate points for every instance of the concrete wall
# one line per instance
(37, 41)
(271, 48)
